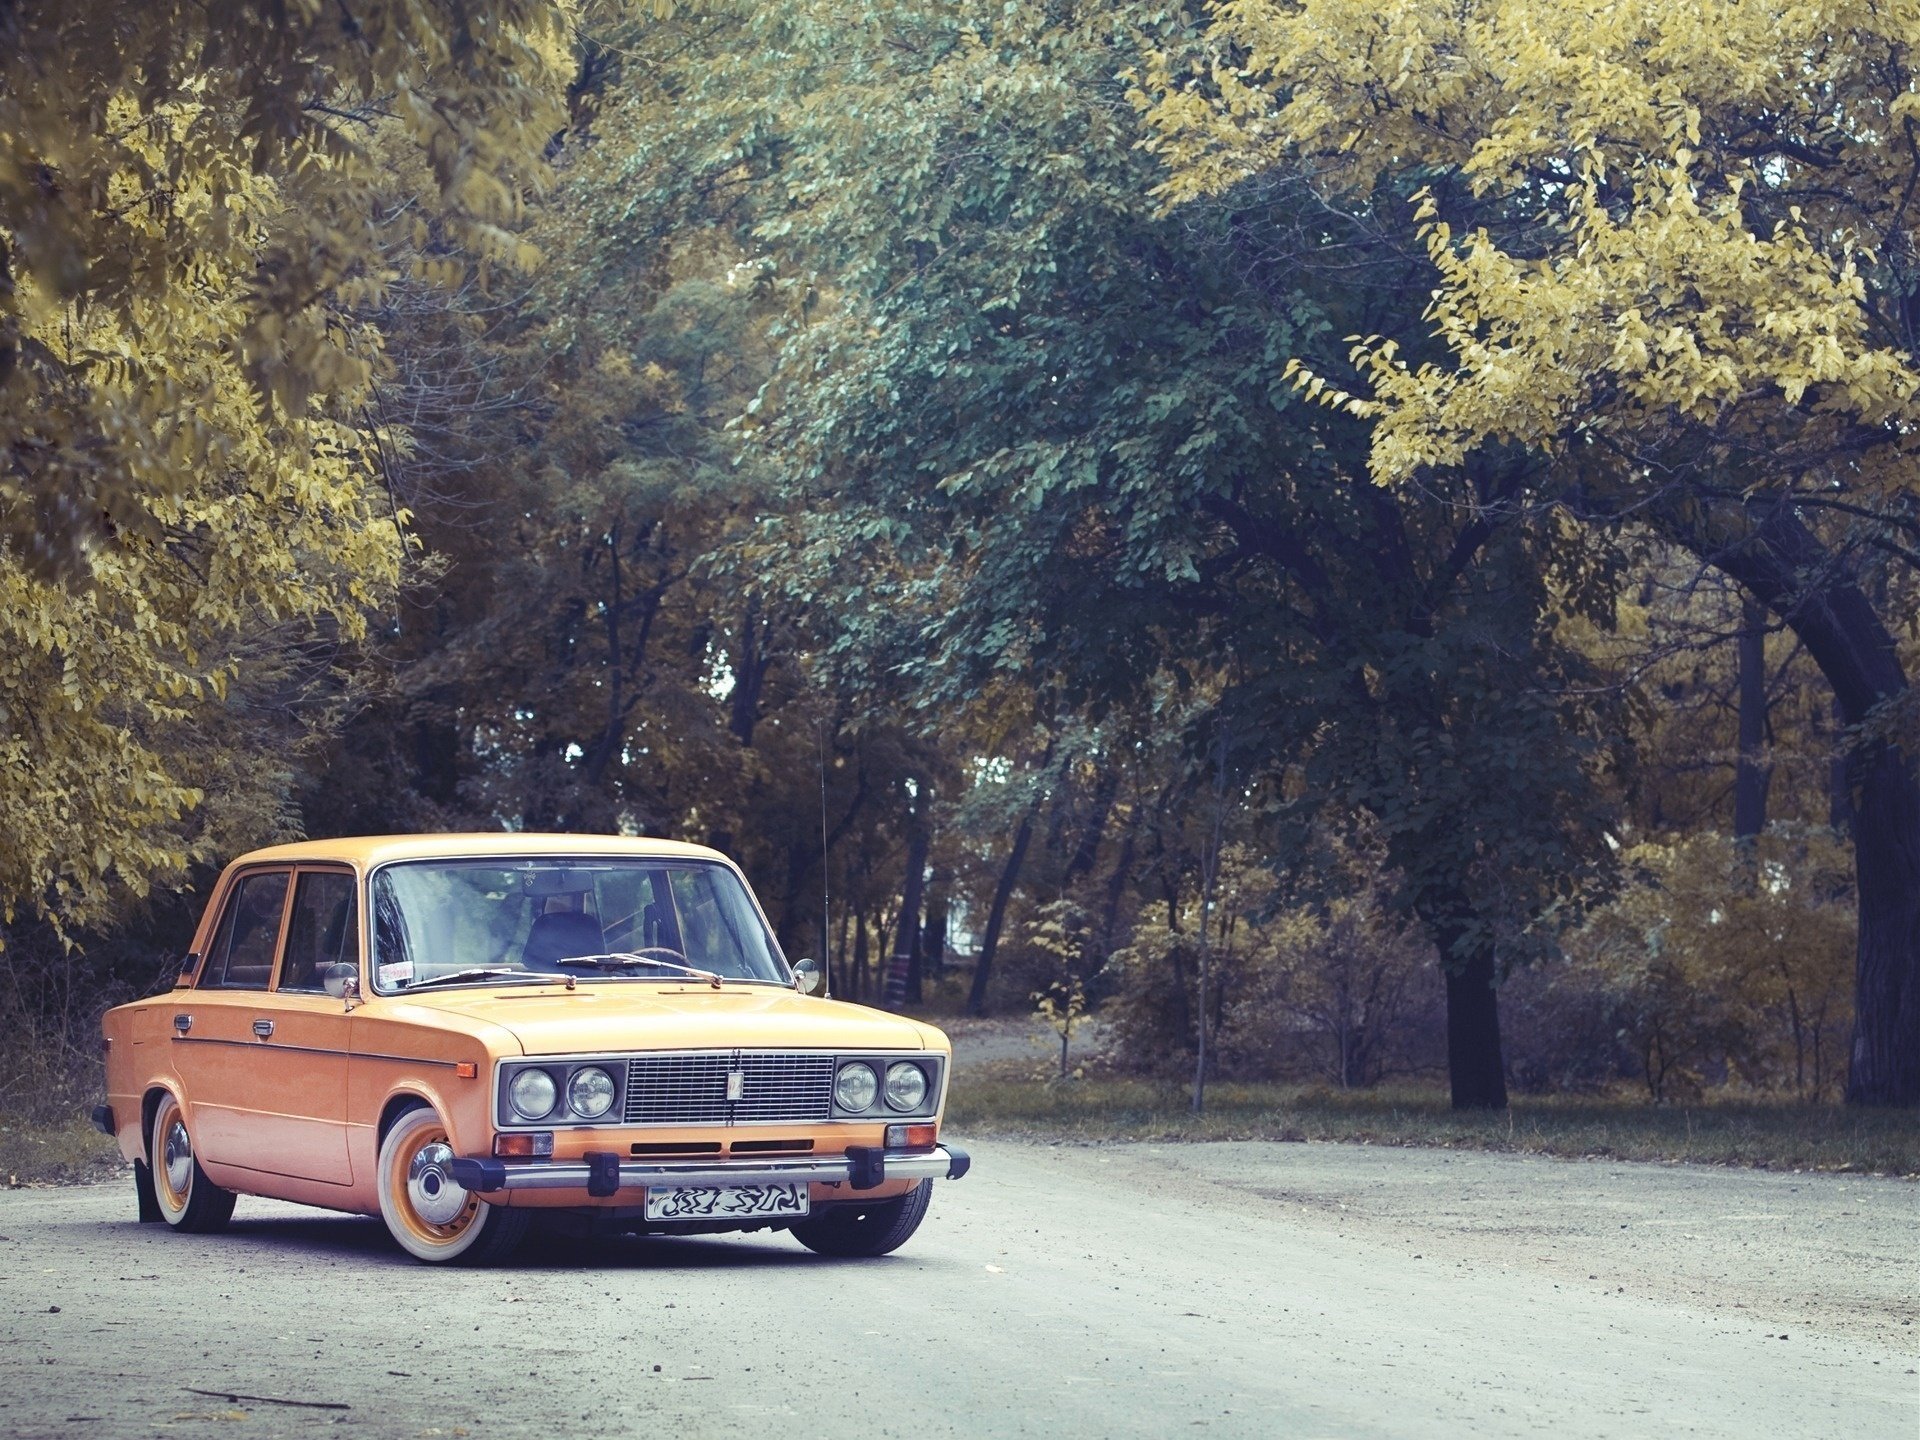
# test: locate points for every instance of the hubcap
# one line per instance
(178, 1155)
(430, 1189)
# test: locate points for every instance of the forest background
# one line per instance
(1364, 544)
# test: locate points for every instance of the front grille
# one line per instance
(784, 1087)
(692, 1089)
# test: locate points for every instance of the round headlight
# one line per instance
(590, 1092)
(532, 1094)
(855, 1086)
(906, 1086)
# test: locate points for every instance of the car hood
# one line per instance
(622, 1016)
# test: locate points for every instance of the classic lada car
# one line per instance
(460, 1032)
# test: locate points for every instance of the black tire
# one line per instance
(186, 1198)
(143, 1194)
(866, 1230)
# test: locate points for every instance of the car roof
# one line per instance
(367, 851)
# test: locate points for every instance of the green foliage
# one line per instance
(184, 188)
(1764, 1135)
(869, 428)
(1051, 427)
(1329, 989)
(1727, 961)
(192, 526)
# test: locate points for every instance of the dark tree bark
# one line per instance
(933, 935)
(1751, 777)
(906, 952)
(1088, 850)
(826, 961)
(997, 915)
(750, 669)
(1476, 1065)
(1116, 888)
(859, 986)
(436, 760)
(1839, 796)
(1786, 566)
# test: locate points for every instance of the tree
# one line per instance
(590, 645)
(191, 516)
(1053, 429)
(1678, 261)
(177, 168)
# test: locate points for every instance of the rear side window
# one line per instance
(324, 930)
(242, 957)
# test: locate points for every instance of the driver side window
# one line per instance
(324, 931)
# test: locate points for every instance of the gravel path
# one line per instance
(1252, 1290)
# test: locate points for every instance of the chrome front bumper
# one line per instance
(606, 1173)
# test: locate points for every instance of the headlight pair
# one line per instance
(856, 1085)
(533, 1093)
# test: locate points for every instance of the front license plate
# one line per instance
(725, 1202)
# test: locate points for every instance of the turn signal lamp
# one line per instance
(910, 1137)
(467, 1070)
(538, 1144)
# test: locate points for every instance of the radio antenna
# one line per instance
(826, 893)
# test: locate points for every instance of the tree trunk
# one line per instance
(860, 959)
(750, 668)
(1088, 850)
(1476, 1067)
(1785, 565)
(997, 915)
(1117, 889)
(1839, 795)
(1751, 777)
(906, 953)
(933, 934)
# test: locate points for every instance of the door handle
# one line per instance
(263, 1028)
(182, 1024)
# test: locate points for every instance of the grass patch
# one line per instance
(64, 1153)
(1004, 1100)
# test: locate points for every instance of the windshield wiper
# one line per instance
(628, 960)
(489, 972)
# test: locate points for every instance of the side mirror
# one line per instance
(807, 978)
(342, 981)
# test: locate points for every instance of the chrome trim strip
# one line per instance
(936, 1164)
(311, 1050)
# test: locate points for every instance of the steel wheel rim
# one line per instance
(174, 1173)
(431, 1191)
(422, 1190)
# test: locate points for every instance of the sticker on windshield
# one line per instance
(398, 973)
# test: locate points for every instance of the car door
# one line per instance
(217, 1053)
(296, 1116)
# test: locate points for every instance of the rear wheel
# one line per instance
(434, 1219)
(186, 1198)
(865, 1230)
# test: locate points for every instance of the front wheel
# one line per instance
(434, 1219)
(186, 1198)
(866, 1230)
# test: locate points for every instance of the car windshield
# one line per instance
(482, 922)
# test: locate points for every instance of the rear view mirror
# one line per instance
(807, 977)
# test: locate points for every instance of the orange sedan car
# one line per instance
(456, 1032)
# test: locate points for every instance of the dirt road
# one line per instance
(1227, 1290)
